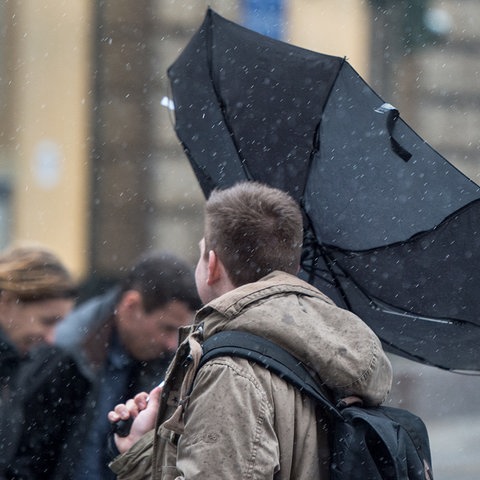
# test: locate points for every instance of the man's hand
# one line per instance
(143, 410)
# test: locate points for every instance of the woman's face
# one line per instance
(28, 324)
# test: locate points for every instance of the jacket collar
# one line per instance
(232, 303)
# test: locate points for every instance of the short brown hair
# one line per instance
(162, 277)
(254, 229)
(34, 273)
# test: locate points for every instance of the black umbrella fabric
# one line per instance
(392, 229)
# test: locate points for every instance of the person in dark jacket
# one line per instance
(112, 345)
(36, 292)
(54, 393)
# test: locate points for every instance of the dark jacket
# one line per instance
(10, 363)
(89, 334)
(10, 360)
(27, 382)
(49, 398)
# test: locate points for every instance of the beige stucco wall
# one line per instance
(50, 105)
(340, 27)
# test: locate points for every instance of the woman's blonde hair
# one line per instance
(33, 273)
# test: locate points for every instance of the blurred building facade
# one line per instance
(89, 162)
(44, 125)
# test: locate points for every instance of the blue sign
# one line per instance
(265, 17)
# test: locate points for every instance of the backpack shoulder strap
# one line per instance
(235, 343)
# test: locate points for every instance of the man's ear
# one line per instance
(130, 302)
(214, 268)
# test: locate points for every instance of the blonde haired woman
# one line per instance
(36, 292)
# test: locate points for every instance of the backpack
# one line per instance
(366, 443)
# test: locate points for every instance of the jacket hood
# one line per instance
(341, 349)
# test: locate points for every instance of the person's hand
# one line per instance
(143, 410)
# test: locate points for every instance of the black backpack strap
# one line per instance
(235, 343)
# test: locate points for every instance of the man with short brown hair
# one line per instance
(233, 418)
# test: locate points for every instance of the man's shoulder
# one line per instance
(86, 316)
(277, 284)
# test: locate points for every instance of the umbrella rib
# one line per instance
(391, 310)
(373, 302)
(310, 241)
(316, 135)
(377, 304)
(210, 42)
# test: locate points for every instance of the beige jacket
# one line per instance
(240, 421)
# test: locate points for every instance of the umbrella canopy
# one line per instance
(392, 229)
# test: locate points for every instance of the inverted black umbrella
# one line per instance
(392, 229)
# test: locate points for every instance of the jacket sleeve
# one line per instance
(229, 425)
(136, 463)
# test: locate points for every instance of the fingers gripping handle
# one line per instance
(122, 427)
